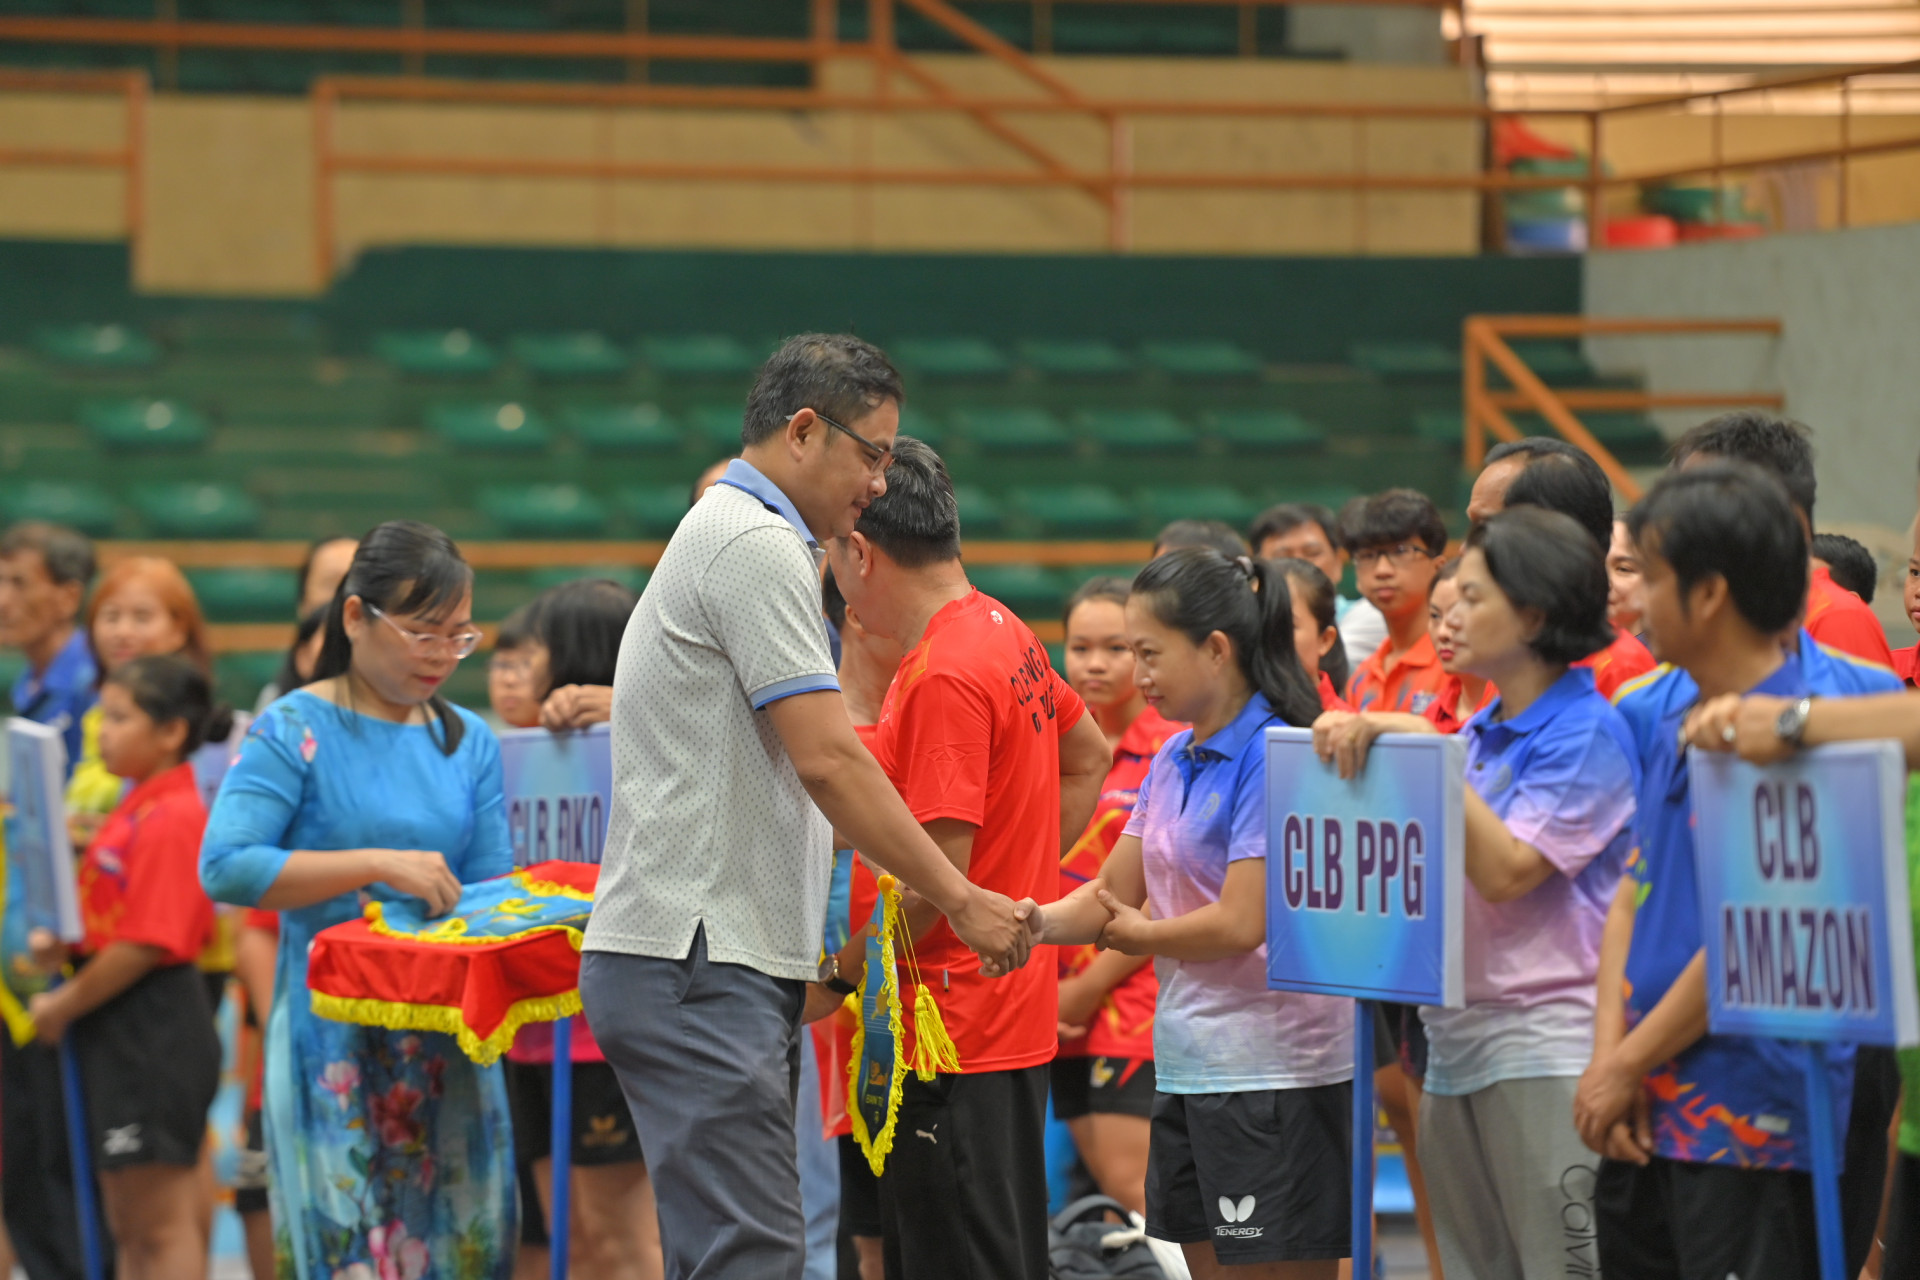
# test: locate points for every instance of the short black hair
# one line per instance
(67, 553)
(1572, 484)
(512, 631)
(1544, 560)
(581, 623)
(833, 605)
(1396, 515)
(1532, 449)
(1780, 446)
(1217, 534)
(1105, 587)
(835, 374)
(168, 687)
(1733, 520)
(1277, 522)
(916, 521)
(1849, 562)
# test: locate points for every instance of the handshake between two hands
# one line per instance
(1033, 925)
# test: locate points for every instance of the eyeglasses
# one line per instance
(516, 668)
(426, 645)
(881, 458)
(1400, 555)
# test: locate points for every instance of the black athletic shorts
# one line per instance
(964, 1192)
(1863, 1170)
(859, 1192)
(1102, 1087)
(1675, 1220)
(1903, 1219)
(150, 1060)
(603, 1130)
(1264, 1176)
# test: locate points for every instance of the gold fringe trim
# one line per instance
(878, 1146)
(453, 931)
(448, 1020)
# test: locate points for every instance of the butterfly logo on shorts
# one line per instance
(1236, 1212)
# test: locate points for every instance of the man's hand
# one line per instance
(821, 1003)
(994, 926)
(48, 952)
(1610, 1094)
(1740, 724)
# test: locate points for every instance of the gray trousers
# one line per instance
(1510, 1182)
(708, 1058)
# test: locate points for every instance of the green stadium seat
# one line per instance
(189, 510)
(239, 677)
(245, 595)
(450, 353)
(623, 428)
(96, 346)
(1135, 430)
(998, 429)
(1407, 361)
(1076, 358)
(656, 509)
(144, 424)
(629, 576)
(1199, 358)
(1556, 363)
(922, 426)
(544, 511)
(1265, 431)
(1028, 589)
(74, 503)
(717, 425)
(1161, 505)
(1441, 426)
(491, 427)
(570, 355)
(950, 359)
(699, 356)
(1632, 436)
(980, 513)
(1076, 510)
(1083, 573)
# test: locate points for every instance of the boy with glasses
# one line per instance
(1396, 539)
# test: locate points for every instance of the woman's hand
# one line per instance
(48, 952)
(575, 706)
(1342, 739)
(1079, 1001)
(420, 873)
(1129, 932)
(51, 1016)
(83, 827)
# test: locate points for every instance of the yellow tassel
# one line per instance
(933, 1048)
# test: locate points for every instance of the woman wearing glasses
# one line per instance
(391, 1152)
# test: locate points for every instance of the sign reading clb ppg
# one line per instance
(1364, 877)
(1804, 895)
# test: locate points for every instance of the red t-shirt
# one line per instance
(1330, 699)
(1623, 660)
(971, 730)
(1123, 1027)
(1410, 686)
(1444, 711)
(140, 878)
(1906, 664)
(1840, 620)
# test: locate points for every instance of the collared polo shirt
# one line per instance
(1624, 660)
(711, 826)
(1409, 687)
(1840, 620)
(1218, 1028)
(1561, 776)
(61, 695)
(1725, 1099)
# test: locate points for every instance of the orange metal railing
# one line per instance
(129, 157)
(1486, 408)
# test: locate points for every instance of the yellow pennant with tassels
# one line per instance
(879, 1065)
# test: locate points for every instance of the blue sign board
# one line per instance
(1803, 895)
(37, 843)
(1364, 877)
(559, 793)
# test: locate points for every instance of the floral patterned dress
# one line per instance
(391, 1152)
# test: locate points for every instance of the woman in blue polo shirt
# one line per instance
(1249, 1149)
(1551, 777)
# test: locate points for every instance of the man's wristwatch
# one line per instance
(830, 977)
(1791, 725)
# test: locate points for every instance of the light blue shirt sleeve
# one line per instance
(1576, 795)
(242, 853)
(490, 851)
(1247, 837)
(1137, 820)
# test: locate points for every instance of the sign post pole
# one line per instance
(1363, 1140)
(561, 1136)
(80, 1159)
(1826, 1168)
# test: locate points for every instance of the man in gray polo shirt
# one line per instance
(733, 761)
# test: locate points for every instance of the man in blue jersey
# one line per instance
(1705, 1136)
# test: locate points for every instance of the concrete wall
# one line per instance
(1850, 304)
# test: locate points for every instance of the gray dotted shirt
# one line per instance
(710, 825)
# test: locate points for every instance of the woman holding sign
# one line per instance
(1249, 1150)
(1551, 776)
(392, 1152)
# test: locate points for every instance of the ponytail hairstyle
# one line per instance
(168, 687)
(1307, 580)
(402, 567)
(1198, 591)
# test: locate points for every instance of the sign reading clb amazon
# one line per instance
(1804, 895)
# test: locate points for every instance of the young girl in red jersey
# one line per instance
(1103, 1080)
(1316, 634)
(137, 1009)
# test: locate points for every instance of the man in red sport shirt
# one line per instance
(996, 759)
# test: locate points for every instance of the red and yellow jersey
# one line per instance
(1624, 660)
(140, 879)
(1839, 619)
